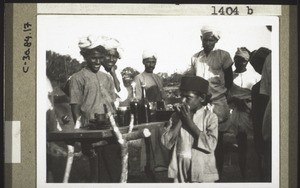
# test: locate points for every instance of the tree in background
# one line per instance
(60, 67)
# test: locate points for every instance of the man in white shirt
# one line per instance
(214, 65)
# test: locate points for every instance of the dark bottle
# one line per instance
(135, 106)
(145, 107)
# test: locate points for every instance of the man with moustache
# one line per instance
(159, 155)
(153, 83)
(215, 65)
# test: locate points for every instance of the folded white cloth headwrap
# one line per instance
(91, 41)
(210, 29)
(149, 54)
(111, 43)
(242, 53)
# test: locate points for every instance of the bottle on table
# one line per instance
(135, 106)
(160, 105)
(145, 107)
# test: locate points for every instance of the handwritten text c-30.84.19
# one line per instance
(27, 44)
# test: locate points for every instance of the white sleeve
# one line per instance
(123, 93)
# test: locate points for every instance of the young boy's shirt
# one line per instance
(198, 151)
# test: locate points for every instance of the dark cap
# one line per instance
(257, 58)
(194, 83)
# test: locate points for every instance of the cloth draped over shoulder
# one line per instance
(211, 67)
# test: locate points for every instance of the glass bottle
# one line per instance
(135, 106)
(145, 107)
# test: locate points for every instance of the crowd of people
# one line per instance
(215, 99)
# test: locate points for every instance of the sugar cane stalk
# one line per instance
(123, 141)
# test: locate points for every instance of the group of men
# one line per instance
(234, 96)
(238, 98)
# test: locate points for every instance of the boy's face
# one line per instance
(193, 100)
(94, 60)
(111, 58)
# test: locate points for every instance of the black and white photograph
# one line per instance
(157, 99)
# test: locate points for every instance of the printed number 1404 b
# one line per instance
(225, 11)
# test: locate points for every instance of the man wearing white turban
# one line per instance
(239, 98)
(154, 93)
(91, 89)
(153, 83)
(215, 65)
(114, 52)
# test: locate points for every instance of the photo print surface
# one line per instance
(90, 66)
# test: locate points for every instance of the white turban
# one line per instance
(90, 42)
(242, 53)
(149, 54)
(111, 43)
(210, 29)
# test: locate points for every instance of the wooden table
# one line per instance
(83, 134)
(79, 135)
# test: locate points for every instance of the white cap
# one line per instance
(111, 43)
(210, 29)
(149, 54)
(90, 42)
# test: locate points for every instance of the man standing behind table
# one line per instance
(90, 90)
(153, 83)
(114, 52)
(158, 154)
(214, 65)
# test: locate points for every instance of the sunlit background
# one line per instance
(174, 38)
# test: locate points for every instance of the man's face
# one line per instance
(94, 60)
(208, 42)
(240, 63)
(193, 100)
(111, 58)
(127, 79)
(150, 64)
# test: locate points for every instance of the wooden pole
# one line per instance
(69, 163)
(123, 141)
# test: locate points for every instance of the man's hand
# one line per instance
(184, 113)
(78, 123)
(112, 72)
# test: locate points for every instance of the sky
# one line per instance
(174, 38)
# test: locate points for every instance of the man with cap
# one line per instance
(239, 99)
(259, 104)
(114, 52)
(154, 93)
(153, 83)
(265, 89)
(90, 90)
(192, 134)
(214, 65)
